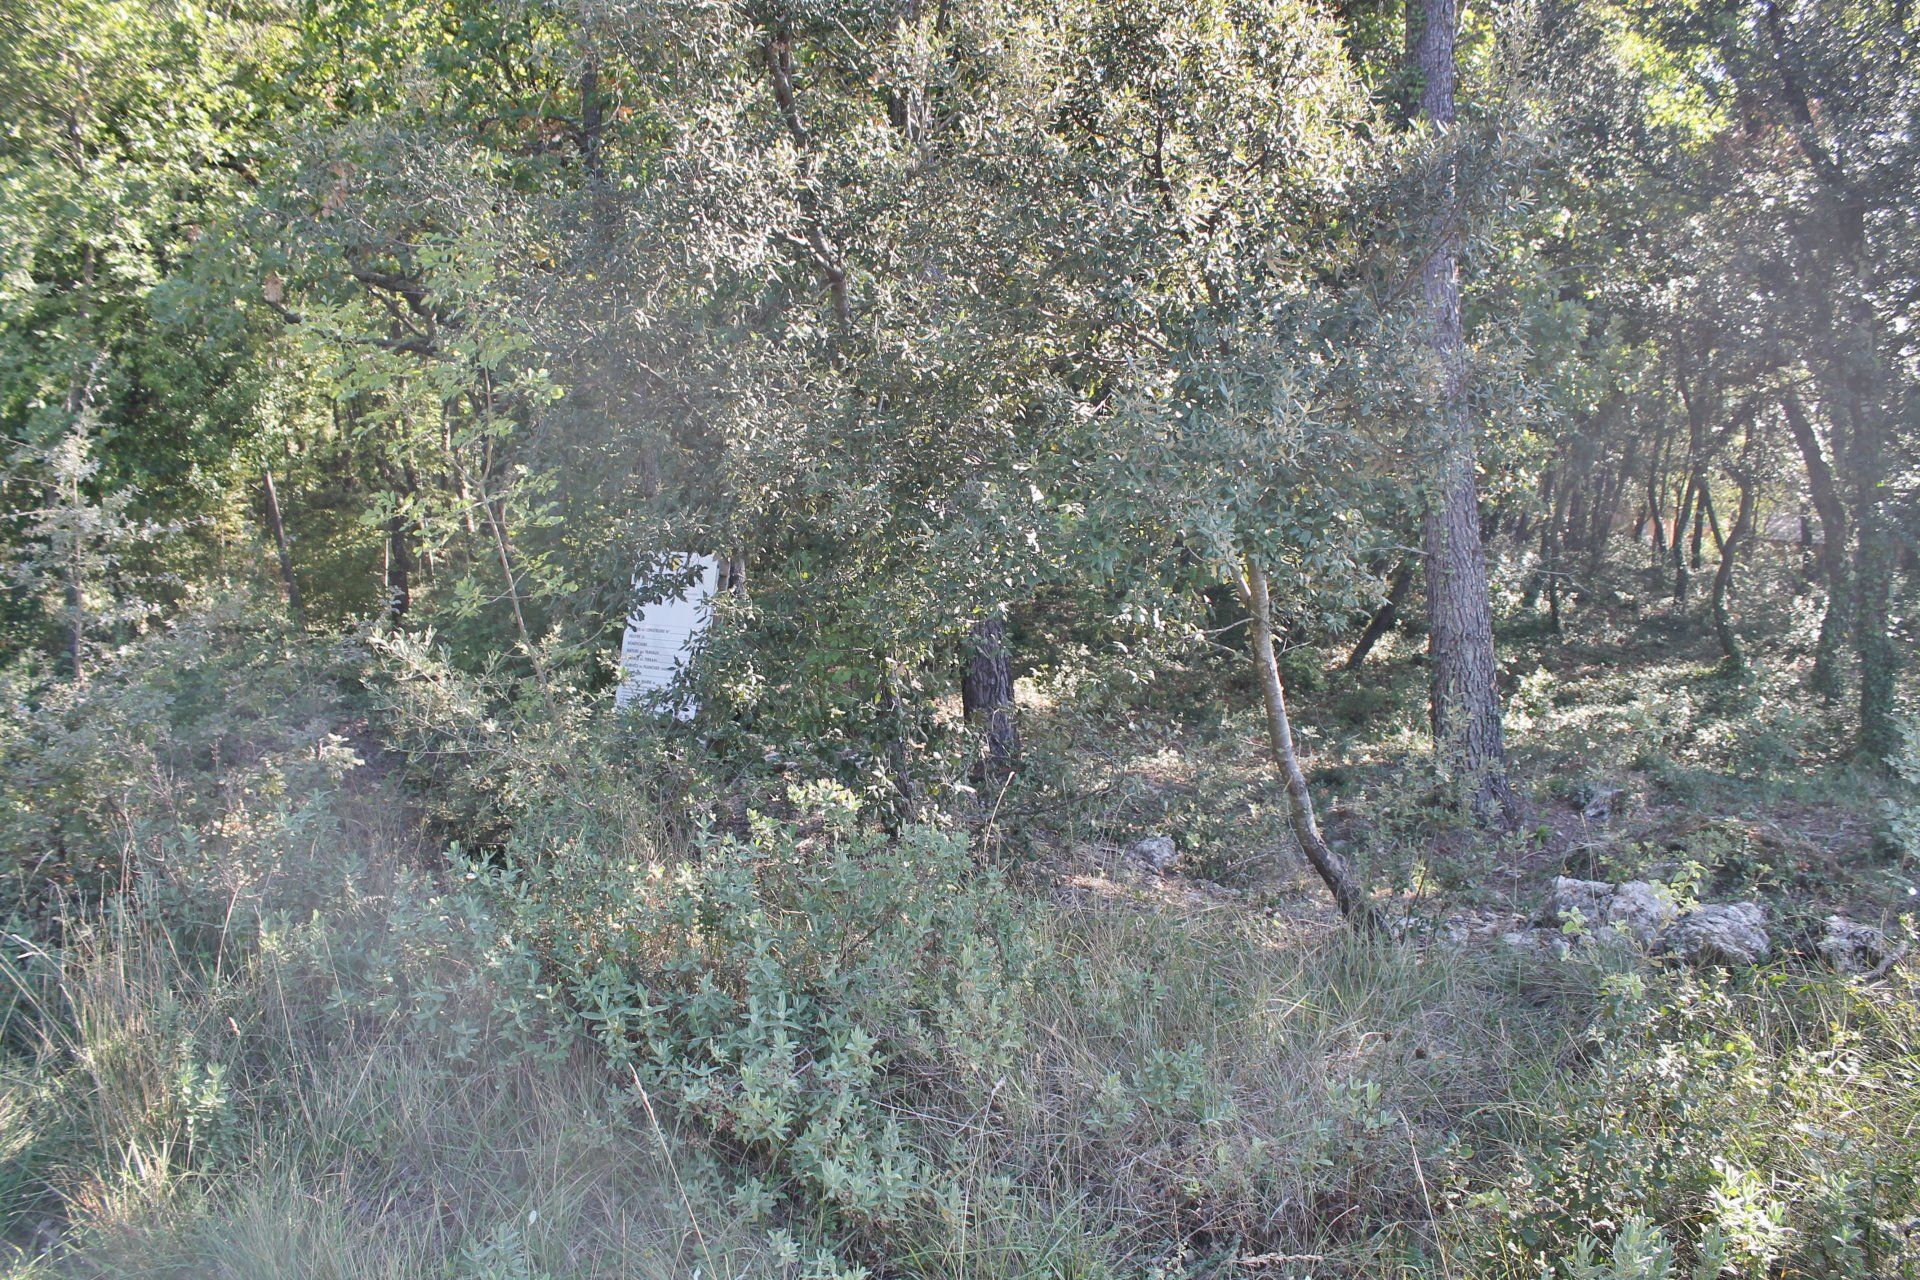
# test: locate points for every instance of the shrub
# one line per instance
(288, 1044)
(1753, 1126)
(203, 726)
(806, 992)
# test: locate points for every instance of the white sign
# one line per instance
(661, 637)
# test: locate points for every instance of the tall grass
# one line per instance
(285, 1042)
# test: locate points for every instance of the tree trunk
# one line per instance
(399, 567)
(280, 544)
(1678, 554)
(1332, 868)
(592, 120)
(1858, 382)
(896, 725)
(1600, 519)
(1730, 550)
(74, 573)
(1713, 523)
(1551, 569)
(986, 696)
(1383, 618)
(1465, 705)
(1654, 496)
(1873, 563)
(1552, 537)
(1702, 500)
(1825, 677)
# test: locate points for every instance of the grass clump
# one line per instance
(281, 1041)
(803, 992)
(1712, 1124)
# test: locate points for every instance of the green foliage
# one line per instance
(104, 779)
(1751, 1127)
(796, 991)
(280, 1018)
(1052, 312)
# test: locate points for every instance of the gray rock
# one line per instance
(1597, 803)
(1636, 909)
(1154, 854)
(1537, 942)
(1851, 947)
(1644, 914)
(1720, 933)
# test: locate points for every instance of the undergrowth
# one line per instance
(551, 995)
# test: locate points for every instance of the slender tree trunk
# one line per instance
(1858, 379)
(1655, 497)
(399, 559)
(986, 696)
(1465, 704)
(1825, 677)
(1563, 513)
(1383, 618)
(1713, 524)
(399, 567)
(1678, 554)
(75, 588)
(1600, 527)
(1332, 868)
(1552, 570)
(592, 120)
(1729, 553)
(1858, 391)
(285, 551)
(1874, 556)
(827, 262)
(1703, 497)
(893, 712)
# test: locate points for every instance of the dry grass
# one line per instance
(293, 1099)
(1213, 1086)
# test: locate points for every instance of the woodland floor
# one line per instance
(384, 1149)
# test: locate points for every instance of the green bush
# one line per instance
(805, 992)
(1759, 1126)
(205, 726)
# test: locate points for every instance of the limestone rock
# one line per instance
(1637, 909)
(1718, 933)
(1538, 942)
(1597, 803)
(1153, 854)
(1852, 947)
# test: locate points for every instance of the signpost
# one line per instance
(661, 637)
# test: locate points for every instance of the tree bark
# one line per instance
(986, 696)
(285, 551)
(1678, 554)
(1730, 550)
(1600, 518)
(592, 121)
(1873, 564)
(1825, 677)
(399, 552)
(1702, 500)
(1465, 704)
(1332, 868)
(827, 262)
(1858, 381)
(1656, 467)
(399, 567)
(1383, 618)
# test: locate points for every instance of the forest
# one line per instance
(1295, 657)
